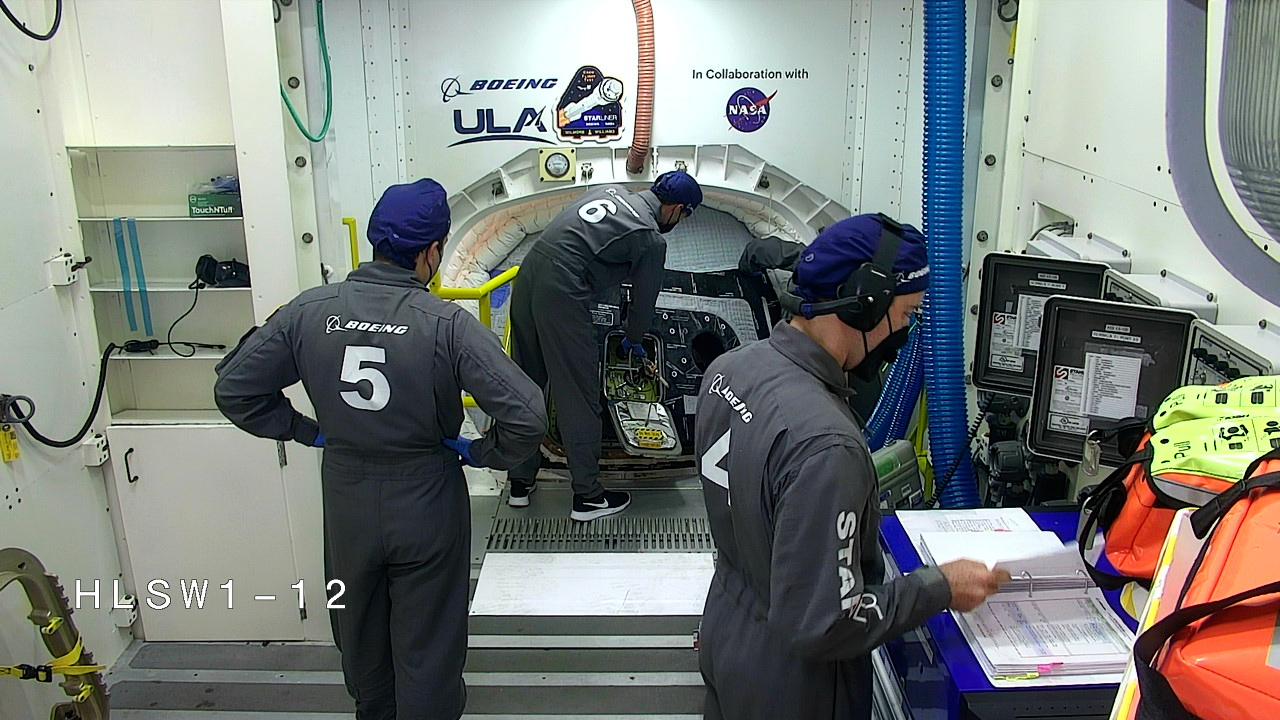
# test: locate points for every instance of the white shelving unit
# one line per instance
(150, 109)
(147, 187)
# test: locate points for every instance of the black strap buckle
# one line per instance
(39, 673)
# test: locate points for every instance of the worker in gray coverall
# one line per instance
(385, 363)
(607, 236)
(799, 599)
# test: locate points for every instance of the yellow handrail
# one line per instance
(479, 293)
(483, 295)
(350, 222)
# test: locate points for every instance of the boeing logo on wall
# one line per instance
(451, 88)
(494, 124)
(748, 109)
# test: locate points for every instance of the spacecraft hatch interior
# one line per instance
(699, 316)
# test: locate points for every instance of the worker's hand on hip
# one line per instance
(629, 349)
(462, 446)
(971, 583)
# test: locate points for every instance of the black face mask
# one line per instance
(664, 227)
(882, 354)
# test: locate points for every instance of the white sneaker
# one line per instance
(607, 503)
(519, 493)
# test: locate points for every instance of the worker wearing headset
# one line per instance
(385, 363)
(799, 599)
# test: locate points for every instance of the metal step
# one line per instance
(518, 668)
(587, 675)
(609, 534)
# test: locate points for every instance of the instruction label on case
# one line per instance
(1111, 385)
(1005, 353)
(1030, 318)
(9, 444)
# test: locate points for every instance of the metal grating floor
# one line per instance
(610, 534)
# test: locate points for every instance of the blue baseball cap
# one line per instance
(843, 247)
(408, 219)
(678, 187)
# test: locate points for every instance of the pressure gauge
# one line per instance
(557, 165)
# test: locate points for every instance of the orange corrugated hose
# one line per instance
(644, 87)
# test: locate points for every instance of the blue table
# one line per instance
(942, 679)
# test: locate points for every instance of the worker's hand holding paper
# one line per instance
(1020, 553)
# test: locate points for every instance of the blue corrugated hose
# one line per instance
(898, 398)
(942, 342)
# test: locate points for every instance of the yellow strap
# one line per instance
(53, 626)
(65, 665)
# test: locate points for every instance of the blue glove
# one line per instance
(462, 446)
(319, 441)
(628, 349)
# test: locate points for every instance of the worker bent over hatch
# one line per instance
(607, 236)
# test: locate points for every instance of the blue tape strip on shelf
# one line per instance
(118, 229)
(142, 278)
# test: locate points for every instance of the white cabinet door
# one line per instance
(203, 506)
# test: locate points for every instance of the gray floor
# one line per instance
(588, 668)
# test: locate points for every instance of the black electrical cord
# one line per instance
(938, 487)
(12, 414)
(1001, 7)
(195, 285)
(57, 20)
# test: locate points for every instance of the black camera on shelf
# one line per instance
(222, 273)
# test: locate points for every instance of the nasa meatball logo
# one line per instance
(748, 109)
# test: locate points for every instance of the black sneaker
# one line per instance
(607, 503)
(520, 493)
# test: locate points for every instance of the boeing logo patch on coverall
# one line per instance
(721, 388)
(335, 324)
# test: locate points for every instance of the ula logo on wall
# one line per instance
(748, 109)
(486, 124)
(590, 107)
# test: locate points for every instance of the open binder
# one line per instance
(1050, 626)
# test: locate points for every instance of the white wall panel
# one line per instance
(155, 72)
(852, 129)
(1099, 106)
(498, 39)
(884, 156)
(1095, 143)
(49, 503)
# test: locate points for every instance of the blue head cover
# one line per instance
(843, 247)
(678, 187)
(408, 219)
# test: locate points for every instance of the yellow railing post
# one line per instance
(482, 295)
(350, 222)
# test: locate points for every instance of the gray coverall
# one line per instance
(384, 362)
(604, 238)
(798, 600)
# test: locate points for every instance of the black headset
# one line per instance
(864, 298)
